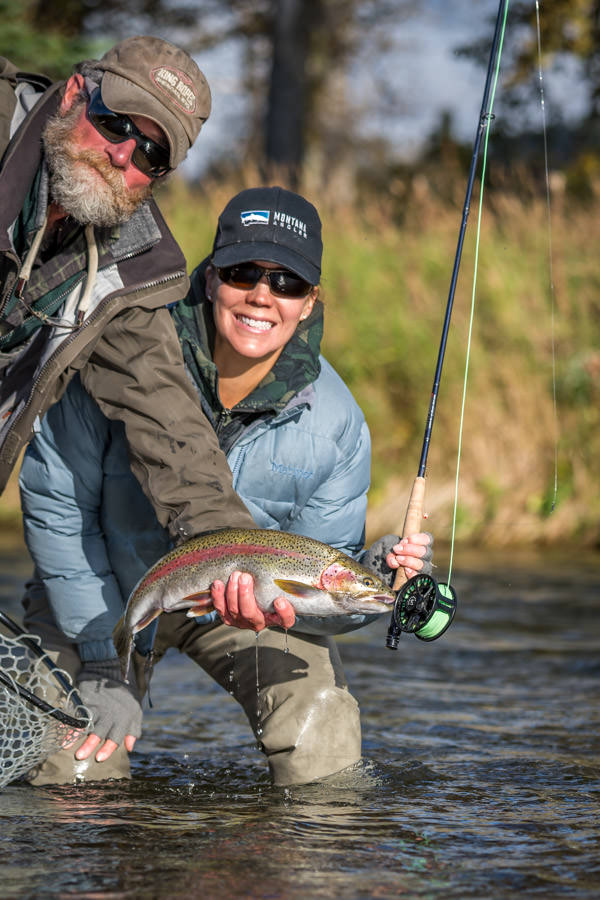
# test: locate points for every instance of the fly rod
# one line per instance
(424, 607)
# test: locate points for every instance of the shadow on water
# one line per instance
(480, 778)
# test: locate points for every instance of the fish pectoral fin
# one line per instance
(297, 588)
(198, 604)
(194, 611)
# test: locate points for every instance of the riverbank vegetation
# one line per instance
(386, 277)
(530, 412)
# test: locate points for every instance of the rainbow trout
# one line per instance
(318, 580)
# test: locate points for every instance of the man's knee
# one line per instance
(309, 738)
(304, 716)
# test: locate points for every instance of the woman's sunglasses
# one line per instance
(149, 157)
(282, 282)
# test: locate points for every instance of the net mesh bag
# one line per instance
(40, 710)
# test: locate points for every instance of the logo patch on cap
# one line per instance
(255, 217)
(176, 86)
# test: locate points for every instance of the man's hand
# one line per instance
(236, 604)
(115, 708)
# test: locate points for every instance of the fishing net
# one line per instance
(40, 710)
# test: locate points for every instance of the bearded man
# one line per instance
(88, 266)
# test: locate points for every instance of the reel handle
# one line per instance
(412, 522)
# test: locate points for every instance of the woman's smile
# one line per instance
(253, 324)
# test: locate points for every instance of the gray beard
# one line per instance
(74, 182)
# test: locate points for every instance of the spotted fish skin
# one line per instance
(317, 579)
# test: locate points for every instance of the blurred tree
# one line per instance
(569, 29)
(286, 107)
(570, 43)
(50, 49)
(298, 55)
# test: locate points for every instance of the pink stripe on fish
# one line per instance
(211, 553)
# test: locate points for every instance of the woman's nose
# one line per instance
(261, 292)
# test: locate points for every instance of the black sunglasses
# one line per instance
(282, 282)
(149, 157)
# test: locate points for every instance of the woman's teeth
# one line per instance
(260, 324)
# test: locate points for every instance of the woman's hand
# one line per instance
(414, 553)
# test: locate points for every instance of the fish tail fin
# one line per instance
(123, 641)
(123, 638)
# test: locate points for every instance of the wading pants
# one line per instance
(303, 716)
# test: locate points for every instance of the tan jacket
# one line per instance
(127, 352)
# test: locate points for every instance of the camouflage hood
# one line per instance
(297, 367)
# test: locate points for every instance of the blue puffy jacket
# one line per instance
(92, 533)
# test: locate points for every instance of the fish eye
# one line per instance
(369, 582)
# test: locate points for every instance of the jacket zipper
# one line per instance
(10, 283)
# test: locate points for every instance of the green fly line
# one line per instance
(474, 287)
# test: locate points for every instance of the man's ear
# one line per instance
(73, 88)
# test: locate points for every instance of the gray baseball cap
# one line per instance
(147, 76)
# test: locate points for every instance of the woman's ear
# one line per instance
(74, 87)
(209, 279)
(309, 303)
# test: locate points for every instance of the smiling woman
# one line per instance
(257, 304)
(251, 330)
(253, 322)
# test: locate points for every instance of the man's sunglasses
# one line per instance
(282, 282)
(149, 157)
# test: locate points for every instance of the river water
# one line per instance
(480, 779)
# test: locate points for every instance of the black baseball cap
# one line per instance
(273, 224)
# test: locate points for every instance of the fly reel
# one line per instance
(422, 607)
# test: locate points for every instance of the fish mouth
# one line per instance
(372, 603)
(387, 599)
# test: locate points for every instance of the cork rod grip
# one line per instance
(412, 522)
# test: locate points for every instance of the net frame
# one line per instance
(40, 709)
